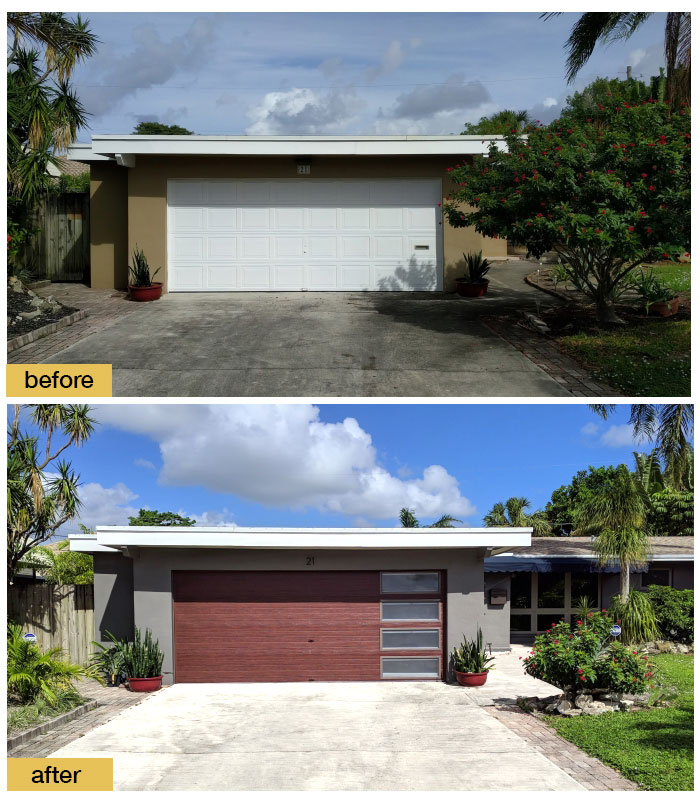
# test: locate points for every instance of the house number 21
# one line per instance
(310, 561)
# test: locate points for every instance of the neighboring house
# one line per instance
(263, 604)
(31, 566)
(279, 213)
(547, 580)
(66, 166)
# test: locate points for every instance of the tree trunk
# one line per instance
(624, 583)
(605, 312)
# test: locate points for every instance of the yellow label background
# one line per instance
(95, 775)
(101, 374)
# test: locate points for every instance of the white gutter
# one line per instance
(116, 538)
(108, 147)
(652, 557)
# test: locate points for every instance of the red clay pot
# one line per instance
(471, 289)
(471, 679)
(145, 685)
(145, 293)
(665, 307)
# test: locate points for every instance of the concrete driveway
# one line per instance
(317, 736)
(321, 344)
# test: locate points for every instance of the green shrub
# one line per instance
(32, 672)
(635, 616)
(24, 716)
(140, 659)
(674, 610)
(584, 656)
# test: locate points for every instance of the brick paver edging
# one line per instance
(530, 280)
(50, 725)
(48, 329)
(588, 771)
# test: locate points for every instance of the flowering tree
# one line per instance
(607, 191)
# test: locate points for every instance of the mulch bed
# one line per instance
(20, 303)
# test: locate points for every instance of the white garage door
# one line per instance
(304, 235)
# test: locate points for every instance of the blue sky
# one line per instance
(336, 465)
(337, 73)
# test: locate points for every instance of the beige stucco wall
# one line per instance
(108, 225)
(147, 203)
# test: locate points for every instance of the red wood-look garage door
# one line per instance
(257, 626)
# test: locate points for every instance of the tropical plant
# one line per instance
(409, 521)
(501, 122)
(650, 289)
(159, 129)
(24, 716)
(157, 518)
(108, 660)
(585, 657)
(141, 276)
(669, 511)
(635, 616)
(32, 672)
(674, 611)
(39, 501)
(597, 27)
(670, 427)
(140, 658)
(477, 267)
(61, 566)
(513, 513)
(470, 656)
(616, 515)
(606, 191)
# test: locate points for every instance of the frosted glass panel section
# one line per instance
(410, 610)
(410, 667)
(408, 582)
(410, 638)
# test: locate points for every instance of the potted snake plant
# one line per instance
(470, 661)
(142, 661)
(141, 285)
(474, 282)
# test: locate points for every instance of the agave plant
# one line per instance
(32, 672)
(477, 267)
(141, 276)
(470, 656)
(141, 659)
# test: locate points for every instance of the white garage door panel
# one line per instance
(295, 235)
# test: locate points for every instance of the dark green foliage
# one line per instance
(585, 484)
(140, 659)
(498, 124)
(674, 611)
(635, 616)
(108, 660)
(159, 129)
(156, 518)
(477, 267)
(471, 656)
(671, 513)
(409, 521)
(140, 272)
(585, 656)
(23, 716)
(32, 672)
(71, 184)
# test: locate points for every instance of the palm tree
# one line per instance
(616, 515)
(669, 509)
(670, 427)
(513, 513)
(500, 123)
(607, 26)
(409, 520)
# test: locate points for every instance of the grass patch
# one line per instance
(675, 275)
(652, 747)
(647, 358)
(21, 717)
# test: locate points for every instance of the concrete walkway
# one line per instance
(317, 736)
(308, 344)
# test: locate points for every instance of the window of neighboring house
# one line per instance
(521, 623)
(550, 590)
(584, 586)
(521, 590)
(656, 576)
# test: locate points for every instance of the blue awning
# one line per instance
(544, 565)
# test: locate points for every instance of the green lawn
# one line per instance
(640, 359)
(675, 275)
(21, 717)
(652, 747)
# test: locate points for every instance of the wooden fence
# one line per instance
(59, 615)
(60, 251)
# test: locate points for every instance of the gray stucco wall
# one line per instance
(496, 626)
(152, 581)
(114, 596)
(681, 579)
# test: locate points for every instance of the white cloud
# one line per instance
(303, 111)
(141, 463)
(221, 517)
(391, 60)
(618, 435)
(284, 456)
(454, 94)
(589, 429)
(100, 505)
(549, 102)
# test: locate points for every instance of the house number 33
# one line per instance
(310, 561)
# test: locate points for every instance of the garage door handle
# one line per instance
(311, 641)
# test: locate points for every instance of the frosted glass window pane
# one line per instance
(408, 582)
(410, 667)
(410, 610)
(410, 638)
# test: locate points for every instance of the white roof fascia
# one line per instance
(87, 544)
(84, 152)
(533, 555)
(302, 538)
(106, 145)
